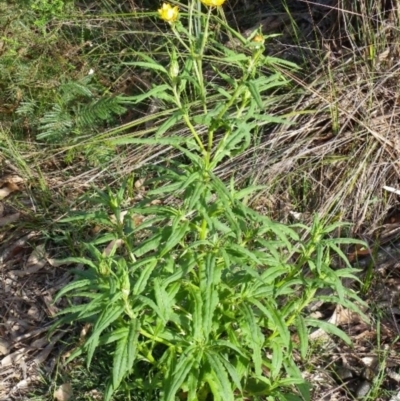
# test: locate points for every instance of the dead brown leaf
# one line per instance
(37, 257)
(11, 218)
(36, 261)
(64, 392)
(112, 246)
(9, 184)
(339, 317)
(4, 192)
(11, 179)
(13, 358)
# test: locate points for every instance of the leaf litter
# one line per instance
(28, 283)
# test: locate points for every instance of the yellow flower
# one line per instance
(168, 13)
(213, 3)
(258, 38)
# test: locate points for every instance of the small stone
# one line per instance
(4, 347)
(363, 389)
(344, 373)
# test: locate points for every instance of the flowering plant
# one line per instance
(204, 293)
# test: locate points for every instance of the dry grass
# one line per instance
(347, 145)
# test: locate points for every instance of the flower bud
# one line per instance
(173, 69)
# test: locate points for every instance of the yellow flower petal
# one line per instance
(213, 3)
(258, 39)
(168, 13)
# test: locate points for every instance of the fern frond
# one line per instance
(27, 108)
(55, 123)
(103, 109)
(72, 90)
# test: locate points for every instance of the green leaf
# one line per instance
(142, 262)
(223, 386)
(145, 274)
(303, 335)
(348, 304)
(277, 359)
(148, 245)
(164, 211)
(168, 98)
(193, 383)
(165, 189)
(193, 195)
(149, 302)
(235, 58)
(113, 336)
(162, 299)
(169, 141)
(184, 366)
(226, 94)
(270, 274)
(120, 362)
(346, 241)
(94, 306)
(255, 92)
(294, 373)
(248, 191)
(275, 317)
(336, 225)
(108, 316)
(73, 310)
(339, 252)
(232, 142)
(74, 354)
(76, 260)
(228, 344)
(76, 216)
(348, 273)
(328, 328)
(134, 331)
(110, 390)
(179, 230)
(169, 123)
(197, 314)
(243, 252)
(72, 287)
(190, 264)
(125, 354)
(150, 93)
(225, 198)
(209, 293)
(227, 78)
(231, 371)
(150, 65)
(254, 332)
(193, 157)
(258, 386)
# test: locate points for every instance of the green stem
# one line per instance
(238, 91)
(180, 39)
(203, 232)
(186, 118)
(199, 61)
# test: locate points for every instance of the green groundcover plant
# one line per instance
(200, 297)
